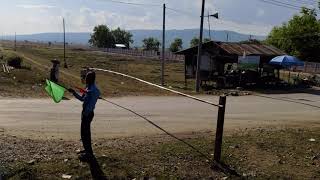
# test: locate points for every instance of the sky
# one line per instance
(245, 16)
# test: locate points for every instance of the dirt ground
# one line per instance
(258, 153)
(43, 119)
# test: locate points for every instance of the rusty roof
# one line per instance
(236, 48)
(249, 49)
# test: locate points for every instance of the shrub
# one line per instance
(13, 60)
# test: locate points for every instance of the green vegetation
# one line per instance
(11, 59)
(176, 45)
(195, 41)
(23, 82)
(151, 44)
(300, 36)
(103, 37)
(122, 37)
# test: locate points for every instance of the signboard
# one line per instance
(249, 59)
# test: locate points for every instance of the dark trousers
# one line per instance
(86, 132)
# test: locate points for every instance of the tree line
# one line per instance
(104, 37)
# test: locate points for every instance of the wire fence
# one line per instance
(310, 67)
(169, 56)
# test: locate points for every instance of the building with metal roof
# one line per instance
(217, 54)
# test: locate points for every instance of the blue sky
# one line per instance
(245, 16)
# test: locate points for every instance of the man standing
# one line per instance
(89, 99)
(54, 71)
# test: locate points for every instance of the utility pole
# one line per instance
(209, 25)
(163, 44)
(200, 49)
(227, 36)
(15, 41)
(64, 44)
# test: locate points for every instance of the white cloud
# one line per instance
(33, 6)
(87, 18)
(260, 12)
(82, 16)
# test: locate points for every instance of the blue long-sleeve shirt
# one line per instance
(89, 98)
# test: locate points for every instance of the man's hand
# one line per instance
(71, 90)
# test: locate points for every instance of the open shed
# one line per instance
(217, 54)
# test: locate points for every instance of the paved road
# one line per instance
(41, 118)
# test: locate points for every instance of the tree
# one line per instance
(299, 37)
(102, 37)
(252, 41)
(151, 44)
(176, 45)
(122, 37)
(195, 41)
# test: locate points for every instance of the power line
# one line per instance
(304, 2)
(180, 11)
(132, 3)
(288, 5)
(281, 4)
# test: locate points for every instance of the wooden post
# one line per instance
(185, 75)
(200, 49)
(305, 66)
(163, 44)
(219, 130)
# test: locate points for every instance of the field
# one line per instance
(40, 56)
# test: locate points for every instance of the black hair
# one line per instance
(90, 77)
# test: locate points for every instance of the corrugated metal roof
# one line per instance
(249, 49)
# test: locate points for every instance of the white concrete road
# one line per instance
(41, 118)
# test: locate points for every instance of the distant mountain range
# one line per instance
(138, 35)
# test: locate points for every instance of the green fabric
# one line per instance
(55, 91)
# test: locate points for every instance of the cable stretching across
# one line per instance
(160, 128)
(158, 86)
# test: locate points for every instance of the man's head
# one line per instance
(90, 78)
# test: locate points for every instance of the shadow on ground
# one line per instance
(95, 170)
(290, 90)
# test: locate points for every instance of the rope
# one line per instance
(160, 128)
(158, 86)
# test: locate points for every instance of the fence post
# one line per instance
(219, 130)
(305, 66)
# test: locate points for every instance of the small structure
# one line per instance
(220, 58)
(121, 46)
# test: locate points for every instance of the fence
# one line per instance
(310, 67)
(169, 56)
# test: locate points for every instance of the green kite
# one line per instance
(55, 91)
